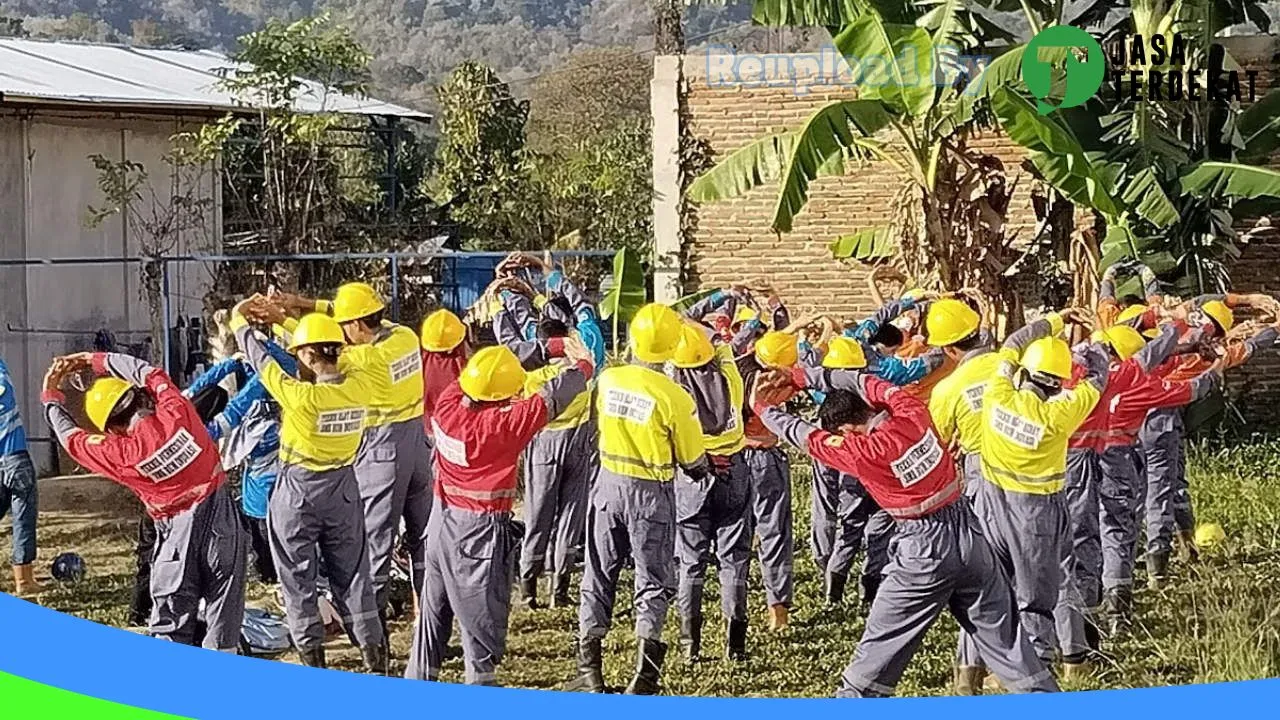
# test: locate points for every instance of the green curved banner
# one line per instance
(27, 699)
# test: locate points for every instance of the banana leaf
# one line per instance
(1211, 178)
(891, 62)
(869, 244)
(627, 295)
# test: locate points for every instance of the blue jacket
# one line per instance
(13, 436)
(891, 368)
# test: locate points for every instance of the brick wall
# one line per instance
(732, 240)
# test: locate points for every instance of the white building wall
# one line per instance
(47, 183)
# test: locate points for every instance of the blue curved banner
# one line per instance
(133, 670)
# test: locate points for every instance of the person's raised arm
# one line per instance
(1154, 353)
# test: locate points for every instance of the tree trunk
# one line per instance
(153, 289)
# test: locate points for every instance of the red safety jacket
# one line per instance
(439, 371)
(477, 445)
(901, 462)
(167, 459)
(1130, 394)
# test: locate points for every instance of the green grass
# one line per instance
(1216, 621)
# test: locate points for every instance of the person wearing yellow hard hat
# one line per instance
(723, 310)
(314, 514)
(1169, 514)
(1129, 309)
(392, 466)
(481, 426)
(713, 515)
(1028, 416)
(648, 428)
(771, 482)
(1102, 484)
(840, 507)
(444, 353)
(150, 438)
(560, 465)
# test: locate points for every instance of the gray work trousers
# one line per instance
(315, 518)
(943, 562)
(879, 539)
(559, 467)
(635, 518)
(713, 517)
(200, 554)
(1031, 537)
(1076, 609)
(971, 470)
(394, 474)
(771, 506)
(840, 510)
(1120, 497)
(1168, 496)
(470, 561)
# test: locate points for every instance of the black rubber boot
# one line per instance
(736, 646)
(1117, 606)
(560, 591)
(836, 583)
(648, 668)
(590, 677)
(1092, 637)
(312, 658)
(691, 637)
(869, 588)
(1157, 569)
(376, 661)
(529, 593)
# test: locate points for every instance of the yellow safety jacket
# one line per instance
(321, 424)
(393, 364)
(648, 424)
(578, 412)
(1024, 437)
(733, 438)
(956, 402)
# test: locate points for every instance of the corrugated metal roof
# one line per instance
(117, 75)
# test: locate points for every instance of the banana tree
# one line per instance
(1165, 176)
(948, 229)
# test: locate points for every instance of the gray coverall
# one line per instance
(628, 517)
(395, 482)
(714, 512)
(1168, 497)
(1031, 535)
(560, 466)
(939, 561)
(840, 510)
(1084, 478)
(470, 556)
(200, 554)
(771, 507)
(316, 518)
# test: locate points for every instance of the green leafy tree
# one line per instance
(482, 170)
(1166, 177)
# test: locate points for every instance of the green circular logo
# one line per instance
(1083, 78)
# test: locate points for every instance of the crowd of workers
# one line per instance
(1006, 483)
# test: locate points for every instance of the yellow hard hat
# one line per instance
(844, 354)
(1221, 314)
(102, 398)
(655, 332)
(354, 301)
(915, 293)
(694, 349)
(442, 331)
(494, 373)
(777, 350)
(1049, 356)
(1209, 534)
(1131, 313)
(745, 314)
(1124, 340)
(316, 329)
(950, 321)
